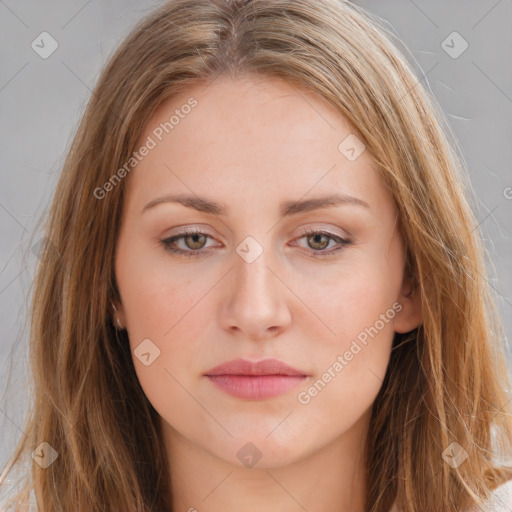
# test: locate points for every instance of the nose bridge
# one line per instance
(251, 285)
(253, 280)
(255, 302)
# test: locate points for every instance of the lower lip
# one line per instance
(256, 387)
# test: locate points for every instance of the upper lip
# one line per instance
(245, 367)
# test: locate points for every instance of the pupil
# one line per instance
(195, 239)
(317, 238)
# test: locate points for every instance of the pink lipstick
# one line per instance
(255, 380)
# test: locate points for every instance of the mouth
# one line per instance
(255, 380)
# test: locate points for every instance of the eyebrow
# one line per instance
(287, 208)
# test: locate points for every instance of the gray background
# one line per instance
(41, 101)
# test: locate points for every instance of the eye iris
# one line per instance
(316, 241)
(194, 237)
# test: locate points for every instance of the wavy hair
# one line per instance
(446, 381)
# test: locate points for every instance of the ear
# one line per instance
(120, 312)
(409, 317)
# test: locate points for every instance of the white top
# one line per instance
(500, 500)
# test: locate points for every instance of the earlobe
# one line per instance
(118, 315)
(410, 315)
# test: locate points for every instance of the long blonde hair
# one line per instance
(446, 380)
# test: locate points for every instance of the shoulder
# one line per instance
(500, 500)
(15, 481)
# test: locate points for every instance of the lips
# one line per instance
(245, 367)
(255, 380)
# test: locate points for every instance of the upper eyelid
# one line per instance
(304, 230)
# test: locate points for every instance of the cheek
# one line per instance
(165, 319)
(352, 359)
(350, 375)
(348, 301)
(160, 299)
(170, 313)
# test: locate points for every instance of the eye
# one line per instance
(319, 240)
(194, 240)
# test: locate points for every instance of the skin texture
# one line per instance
(253, 143)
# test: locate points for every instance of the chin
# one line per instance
(258, 450)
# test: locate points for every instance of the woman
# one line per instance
(262, 288)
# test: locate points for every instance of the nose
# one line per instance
(255, 305)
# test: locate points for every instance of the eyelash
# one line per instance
(191, 253)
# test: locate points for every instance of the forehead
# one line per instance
(252, 135)
(243, 114)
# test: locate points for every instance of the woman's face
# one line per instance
(256, 160)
